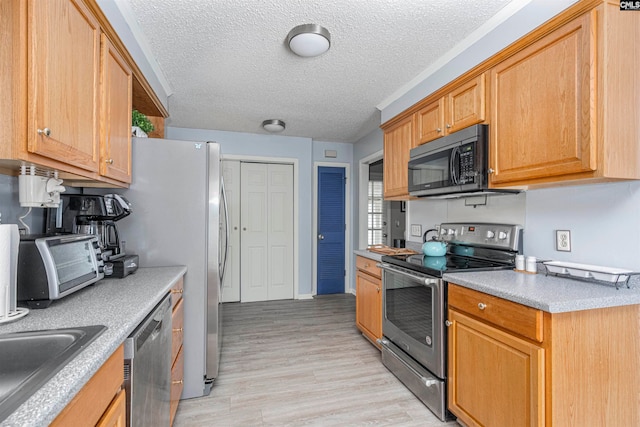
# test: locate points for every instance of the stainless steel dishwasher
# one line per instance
(147, 369)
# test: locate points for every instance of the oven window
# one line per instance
(74, 263)
(409, 306)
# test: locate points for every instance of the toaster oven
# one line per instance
(53, 267)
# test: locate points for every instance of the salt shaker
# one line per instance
(520, 262)
(532, 267)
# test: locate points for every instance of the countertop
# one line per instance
(119, 304)
(549, 293)
(367, 254)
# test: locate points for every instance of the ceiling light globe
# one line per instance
(309, 40)
(273, 125)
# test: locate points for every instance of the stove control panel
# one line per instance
(499, 236)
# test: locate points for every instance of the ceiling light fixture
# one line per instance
(273, 125)
(309, 40)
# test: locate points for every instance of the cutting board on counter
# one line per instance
(386, 250)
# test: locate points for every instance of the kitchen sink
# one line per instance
(29, 359)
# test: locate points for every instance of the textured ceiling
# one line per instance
(229, 69)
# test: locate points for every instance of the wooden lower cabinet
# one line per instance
(512, 365)
(101, 400)
(177, 361)
(369, 299)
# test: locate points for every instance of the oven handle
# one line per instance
(427, 381)
(427, 280)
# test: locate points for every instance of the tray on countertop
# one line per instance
(386, 250)
(586, 271)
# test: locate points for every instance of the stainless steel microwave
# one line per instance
(52, 267)
(455, 165)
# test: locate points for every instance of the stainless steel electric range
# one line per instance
(415, 303)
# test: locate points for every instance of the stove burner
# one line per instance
(437, 266)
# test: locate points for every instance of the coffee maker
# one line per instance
(91, 214)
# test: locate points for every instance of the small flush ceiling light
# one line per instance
(273, 125)
(309, 40)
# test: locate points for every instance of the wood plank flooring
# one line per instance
(302, 363)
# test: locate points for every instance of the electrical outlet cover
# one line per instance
(563, 240)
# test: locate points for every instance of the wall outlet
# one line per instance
(563, 240)
(416, 230)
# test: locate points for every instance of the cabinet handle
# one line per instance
(378, 289)
(448, 322)
(177, 291)
(177, 382)
(45, 132)
(482, 306)
(110, 161)
(177, 329)
(438, 130)
(490, 170)
(448, 126)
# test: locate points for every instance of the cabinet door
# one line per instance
(398, 141)
(116, 414)
(466, 105)
(115, 130)
(369, 305)
(495, 379)
(430, 122)
(541, 107)
(64, 58)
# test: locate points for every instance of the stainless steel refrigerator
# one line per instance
(179, 218)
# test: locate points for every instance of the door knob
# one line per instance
(320, 237)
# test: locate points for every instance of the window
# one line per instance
(375, 209)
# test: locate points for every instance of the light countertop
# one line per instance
(368, 254)
(118, 304)
(548, 293)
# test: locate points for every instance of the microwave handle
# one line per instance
(454, 163)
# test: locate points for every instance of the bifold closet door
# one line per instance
(266, 238)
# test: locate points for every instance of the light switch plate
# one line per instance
(416, 230)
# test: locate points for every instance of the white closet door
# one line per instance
(231, 284)
(266, 232)
(280, 240)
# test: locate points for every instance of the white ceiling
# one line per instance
(228, 67)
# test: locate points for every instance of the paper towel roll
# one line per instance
(9, 244)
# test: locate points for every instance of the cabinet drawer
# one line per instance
(176, 292)
(177, 322)
(177, 384)
(368, 265)
(517, 318)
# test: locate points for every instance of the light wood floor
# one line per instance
(302, 362)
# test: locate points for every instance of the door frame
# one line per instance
(296, 223)
(363, 200)
(347, 220)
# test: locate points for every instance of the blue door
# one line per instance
(331, 230)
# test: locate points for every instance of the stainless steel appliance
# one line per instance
(452, 166)
(414, 298)
(147, 369)
(52, 267)
(180, 219)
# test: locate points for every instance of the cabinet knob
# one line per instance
(177, 291)
(448, 322)
(45, 132)
(109, 161)
(177, 329)
(378, 289)
(482, 306)
(438, 130)
(448, 126)
(490, 170)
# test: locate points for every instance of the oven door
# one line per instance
(413, 308)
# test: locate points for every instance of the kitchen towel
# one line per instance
(9, 245)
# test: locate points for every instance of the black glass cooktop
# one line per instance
(437, 266)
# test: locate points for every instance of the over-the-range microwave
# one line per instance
(455, 165)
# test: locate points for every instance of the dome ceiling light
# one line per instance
(273, 125)
(309, 40)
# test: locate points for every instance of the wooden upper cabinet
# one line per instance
(461, 107)
(115, 129)
(398, 141)
(63, 76)
(541, 107)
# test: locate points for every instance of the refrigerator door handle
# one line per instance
(223, 270)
